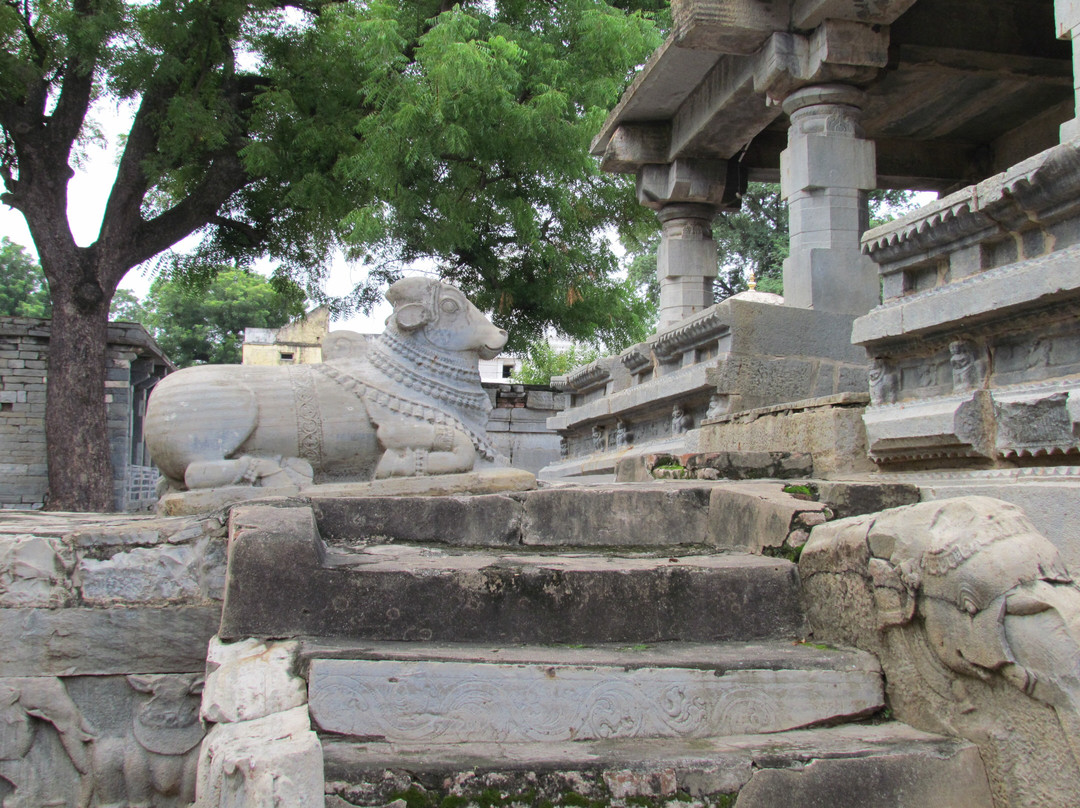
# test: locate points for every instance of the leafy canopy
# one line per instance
(205, 323)
(541, 360)
(397, 130)
(23, 290)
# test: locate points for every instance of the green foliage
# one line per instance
(399, 130)
(542, 361)
(126, 307)
(23, 290)
(477, 155)
(204, 322)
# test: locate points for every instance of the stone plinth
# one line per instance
(976, 346)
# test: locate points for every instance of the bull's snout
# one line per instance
(492, 348)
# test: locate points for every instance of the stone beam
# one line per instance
(965, 62)
(659, 88)
(732, 105)
(728, 26)
(634, 145)
(808, 14)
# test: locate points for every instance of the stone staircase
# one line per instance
(647, 671)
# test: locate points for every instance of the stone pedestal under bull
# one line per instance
(407, 404)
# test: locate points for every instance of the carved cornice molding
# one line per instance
(672, 343)
(636, 361)
(588, 378)
(1046, 186)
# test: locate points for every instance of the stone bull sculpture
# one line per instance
(154, 764)
(976, 622)
(408, 404)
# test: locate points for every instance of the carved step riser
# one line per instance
(454, 702)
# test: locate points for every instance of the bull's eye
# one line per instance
(449, 306)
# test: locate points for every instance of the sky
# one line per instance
(88, 194)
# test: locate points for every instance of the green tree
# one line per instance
(23, 290)
(204, 322)
(399, 129)
(126, 307)
(541, 360)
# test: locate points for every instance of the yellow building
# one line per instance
(298, 343)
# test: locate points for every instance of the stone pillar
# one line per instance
(1067, 17)
(825, 172)
(686, 195)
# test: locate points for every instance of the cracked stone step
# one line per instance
(526, 694)
(396, 592)
(836, 767)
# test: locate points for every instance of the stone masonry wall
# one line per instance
(518, 423)
(107, 621)
(24, 359)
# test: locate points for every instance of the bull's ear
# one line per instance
(411, 316)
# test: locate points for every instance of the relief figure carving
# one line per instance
(25, 761)
(969, 368)
(157, 758)
(884, 382)
(976, 622)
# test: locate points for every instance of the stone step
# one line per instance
(403, 694)
(740, 515)
(399, 592)
(850, 766)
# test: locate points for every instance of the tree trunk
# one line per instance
(77, 437)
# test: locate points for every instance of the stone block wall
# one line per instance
(108, 620)
(739, 355)
(133, 366)
(518, 423)
(976, 348)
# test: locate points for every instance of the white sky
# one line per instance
(88, 194)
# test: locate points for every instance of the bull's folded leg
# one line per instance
(248, 470)
(416, 449)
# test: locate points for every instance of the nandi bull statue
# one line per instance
(407, 404)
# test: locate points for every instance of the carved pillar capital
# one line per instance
(706, 182)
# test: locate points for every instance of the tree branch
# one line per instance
(225, 177)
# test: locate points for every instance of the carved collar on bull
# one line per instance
(402, 367)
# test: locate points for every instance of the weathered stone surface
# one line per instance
(833, 435)
(203, 501)
(515, 703)
(707, 771)
(34, 571)
(276, 760)
(717, 466)
(250, 679)
(396, 592)
(488, 481)
(905, 781)
(106, 641)
(142, 575)
(975, 620)
(854, 498)
(407, 404)
(754, 516)
(617, 516)
(483, 520)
